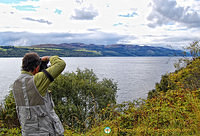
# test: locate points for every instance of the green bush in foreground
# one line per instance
(79, 97)
(8, 113)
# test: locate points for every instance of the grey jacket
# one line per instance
(36, 114)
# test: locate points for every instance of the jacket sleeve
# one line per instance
(56, 68)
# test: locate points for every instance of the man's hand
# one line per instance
(45, 58)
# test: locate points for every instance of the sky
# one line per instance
(167, 23)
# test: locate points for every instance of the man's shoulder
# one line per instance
(26, 73)
(23, 75)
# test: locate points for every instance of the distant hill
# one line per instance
(88, 50)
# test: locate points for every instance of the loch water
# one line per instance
(135, 76)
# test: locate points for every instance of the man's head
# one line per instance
(31, 62)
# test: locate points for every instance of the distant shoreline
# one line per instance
(76, 50)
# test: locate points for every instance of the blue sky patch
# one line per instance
(13, 1)
(26, 8)
(118, 24)
(170, 23)
(129, 15)
(181, 29)
(58, 11)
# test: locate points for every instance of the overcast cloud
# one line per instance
(27, 39)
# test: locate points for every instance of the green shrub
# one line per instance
(8, 113)
(10, 131)
(80, 96)
(187, 78)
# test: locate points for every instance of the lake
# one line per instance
(135, 75)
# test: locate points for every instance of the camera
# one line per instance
(43, 65)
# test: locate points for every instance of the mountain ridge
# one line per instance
(119, 49)
(88, 50)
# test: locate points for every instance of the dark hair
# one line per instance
(30, 61)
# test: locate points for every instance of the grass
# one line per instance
(1, 49)
(90, 51)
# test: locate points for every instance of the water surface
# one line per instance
(135, 75)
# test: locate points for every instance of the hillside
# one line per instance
(85, 50)
(172, 109)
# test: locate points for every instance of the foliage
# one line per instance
(187, 74)
(176, 112)
(187, 78)
(8, 112)
(194, 49)
(4, 131)
(80, 96)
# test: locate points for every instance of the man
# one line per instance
(34, 104)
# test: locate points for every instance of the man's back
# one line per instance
(34, 104)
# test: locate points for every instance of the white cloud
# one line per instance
(166, 11)
(37, 20)
(94, 18)
(86, 13)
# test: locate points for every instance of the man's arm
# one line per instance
(56, 68)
